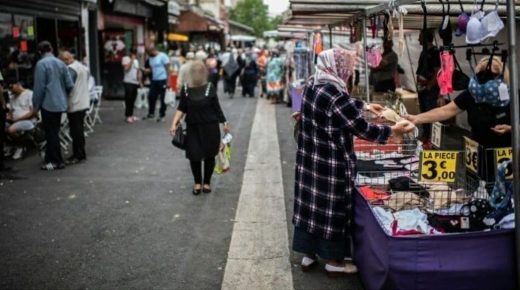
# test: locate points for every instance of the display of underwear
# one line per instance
(302, 64)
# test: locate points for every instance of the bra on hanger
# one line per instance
(481, 27)
(445, 30)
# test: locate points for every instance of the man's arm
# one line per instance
(40, 79)
(67, 79)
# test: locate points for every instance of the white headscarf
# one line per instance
(334, 67)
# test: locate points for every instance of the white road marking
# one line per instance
(258, 256)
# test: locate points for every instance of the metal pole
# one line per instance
(330, 37)
(365, 44)
(515, 118)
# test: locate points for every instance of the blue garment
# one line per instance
(158, 63)
(52, 83)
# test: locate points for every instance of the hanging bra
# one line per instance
(445, 30)
(445, 74)
(482, 27)
(490, 92)
(462, 21)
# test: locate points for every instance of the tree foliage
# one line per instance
(253, 13)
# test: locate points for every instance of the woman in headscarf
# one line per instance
(250, 76)
(325, 162)
(199, 103)
(274, 77)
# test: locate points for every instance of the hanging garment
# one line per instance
(494, 92)
(501, 196)
(462, 21)
(481, 27)
(374, 57)
(445, 74)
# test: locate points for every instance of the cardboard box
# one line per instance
(410, 101)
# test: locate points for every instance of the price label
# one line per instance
(471, 155)
(438, 165)
(503, 155)
(437, 134)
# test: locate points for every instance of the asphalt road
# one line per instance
(126, 219)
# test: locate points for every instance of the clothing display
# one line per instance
(482, 27)
(445, 74)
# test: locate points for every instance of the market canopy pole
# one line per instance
(365, 52)
(515, 114)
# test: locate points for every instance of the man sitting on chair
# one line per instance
(20, 118)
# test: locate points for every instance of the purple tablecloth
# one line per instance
(480, 260)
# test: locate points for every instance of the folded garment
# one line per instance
(404, 223)
(405, 200)
(404, 183)
(508, 222)
(443, 199)
(371, 194)
(364, 178)
(449, 223)
(476, 211)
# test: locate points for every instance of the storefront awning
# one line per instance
(191, 21)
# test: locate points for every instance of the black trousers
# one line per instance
(230, 84)
(157, 91)
(77, 132)
(196, 170)
(130, 96)
(51, 122)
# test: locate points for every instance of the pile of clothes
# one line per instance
(406, 207)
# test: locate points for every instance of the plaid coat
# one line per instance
(325, 161)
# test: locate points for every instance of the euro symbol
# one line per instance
(443, 165)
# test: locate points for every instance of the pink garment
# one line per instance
(445, 75)
(374, 57)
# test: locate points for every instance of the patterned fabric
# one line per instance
(334, 67)
(274, 76)
(325, 163)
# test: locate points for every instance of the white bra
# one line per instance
(482, 27)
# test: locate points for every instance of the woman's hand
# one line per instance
(296, 116)
(173, 130)
(501, 129)
(376, 109)
(402, 127)
(226, 128)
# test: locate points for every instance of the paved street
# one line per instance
(126, 219)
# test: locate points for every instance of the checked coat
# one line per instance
(325, 161)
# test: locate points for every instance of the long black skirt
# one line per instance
(202, 141)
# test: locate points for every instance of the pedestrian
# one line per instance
(325, 163)
(3, 115)
(52, 85)
(184, 73)
(199, 103)
(79, 103)
(250, 76)
(160, 69)
(201, 54)
(262, 65)
(20, 118)
(427, 86)
(212, 63)
(131, 82)
(275, 77)
(384, 74)
(231, 70)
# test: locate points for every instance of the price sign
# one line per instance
(503, 155)
(471, 155)
(438, 165)
(437, 134)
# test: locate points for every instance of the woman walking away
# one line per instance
(274, 78)
(199, 103)
(131, 83)
(249, 77)
(325, 164)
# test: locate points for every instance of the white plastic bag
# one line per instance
(169, 97)
(142, 98)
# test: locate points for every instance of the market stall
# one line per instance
(457, 226)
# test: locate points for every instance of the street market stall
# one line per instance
(468, 246)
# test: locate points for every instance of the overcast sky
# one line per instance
(276, 7)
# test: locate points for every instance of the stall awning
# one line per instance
(178, 37)
(192, 21)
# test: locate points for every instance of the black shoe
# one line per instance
(196, 191)
(73, 160)
(148, 117)
(52, 167)
(206, 189)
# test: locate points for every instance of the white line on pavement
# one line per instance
(258, 256)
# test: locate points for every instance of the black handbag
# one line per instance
(179, 140)
(460, 80)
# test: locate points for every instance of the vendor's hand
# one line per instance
(412, 118)
(501, 129)
(376, 109)
(402, 127)
(226, 128)
(173, 130)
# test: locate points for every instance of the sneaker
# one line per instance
(129, 120)
(161, 120)
(73, 161)
(148, 117)
(135, 118)
(52, 167)
(18, 153)
(8, 151)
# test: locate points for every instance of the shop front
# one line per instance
(25, 23)
(123, 25)
(202, 29)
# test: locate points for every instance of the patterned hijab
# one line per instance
(335, 66)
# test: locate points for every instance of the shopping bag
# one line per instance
(142, 98)
(169, 97)
(223, 160)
